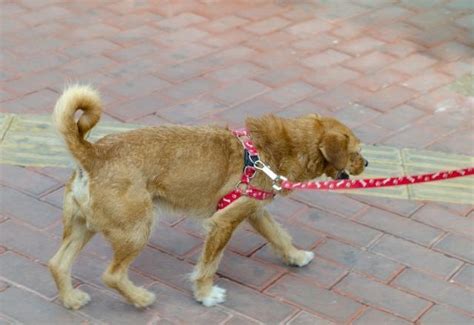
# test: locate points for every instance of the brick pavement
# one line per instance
(400, 72)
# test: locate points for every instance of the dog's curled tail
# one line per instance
(74, 98)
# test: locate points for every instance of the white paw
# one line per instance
(76, 299)
(303, 258)
(216, 296)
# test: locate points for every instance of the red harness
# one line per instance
(244, 188)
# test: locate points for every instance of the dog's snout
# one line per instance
(366, 162)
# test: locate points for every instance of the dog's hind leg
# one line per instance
(279, 239)
(127, 241)
(75, 237)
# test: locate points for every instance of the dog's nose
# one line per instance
(343, 175)
(366, 162)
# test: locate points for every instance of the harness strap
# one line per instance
(244, 188)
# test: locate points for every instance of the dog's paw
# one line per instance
(216, 296)
(302, 258)
(76, 299)
(143, 298)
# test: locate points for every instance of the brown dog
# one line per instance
(120, 178)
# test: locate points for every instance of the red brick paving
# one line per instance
(385, 67)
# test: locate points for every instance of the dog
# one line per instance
(119, 179)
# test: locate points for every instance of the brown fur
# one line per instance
(121, 177)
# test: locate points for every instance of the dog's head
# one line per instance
(341, 150)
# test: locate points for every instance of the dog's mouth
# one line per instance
(342, 174)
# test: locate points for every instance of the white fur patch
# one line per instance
(308, 257)
(80, 187)
(216, 296)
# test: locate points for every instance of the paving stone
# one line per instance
(290, 93)
(310, 27)
(239, 320)
(239, 91)
(387, 98)
(427, 81)
(190, 88)
(339, 227)
(402, 207)
(25, 179)
(400, 226)
(457, 246)
(380, 79)
(416, 256)
(327, 78)
(181, 20)
(355, 114)
(191, 111)
(58, 173)
(331, 202)
(139, 107)
(278, 77)
(173, 241)
(37, 276)
(342, 96)
(245, 242)
(224, 23)
(382, 296)
(319, 271)
(19, 238)
(255, 304)
(167, 268)
(185, 35)
(27, 209)
(316, 299)
(304, 318)
(413, 63)
(465, 277)
(235, 72)
(41, 100)
(40, 311)
(374, 316)
(134, 51)
(371, 62)
(255, 107)
(440, 314)
(360, 45)
(358, 260)
(303, 107)
(139, 87)
(266, 26)
(398, 117)
(436, 290)
(444, 219)
(452, 51)
(415, 137)
(325, 59)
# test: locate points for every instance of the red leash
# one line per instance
(346, 184)
(244, 188)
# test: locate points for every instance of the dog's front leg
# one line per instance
(279, 239)
(220, 228)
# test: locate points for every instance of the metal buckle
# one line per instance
(276, 179)
(277, 183)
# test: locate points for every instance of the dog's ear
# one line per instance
(334, 147)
